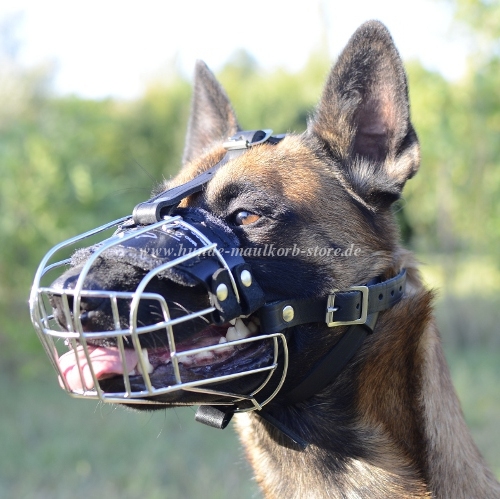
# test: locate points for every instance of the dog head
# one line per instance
(309, 213)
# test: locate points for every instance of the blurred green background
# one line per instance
(68, 164)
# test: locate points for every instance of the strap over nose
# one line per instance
(155, 209)
(221, 270)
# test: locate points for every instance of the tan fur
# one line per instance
(455, 466)
(390, 425)
(420, 436)
(406, 404)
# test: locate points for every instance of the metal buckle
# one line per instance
(240, 141)
(331, 309)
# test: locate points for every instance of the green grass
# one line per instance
(53, 447)
(476, 375)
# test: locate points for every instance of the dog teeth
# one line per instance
(221, 350)
(203, 356)
(242, 329)
(187, 360)
(238, 332)
(252, 327)
(231, 334)
(148, 364)
(197, 358)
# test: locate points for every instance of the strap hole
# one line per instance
(357, 306)
(400, 288)
(392, 293)
(380, 296)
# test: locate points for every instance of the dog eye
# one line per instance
(245, 218)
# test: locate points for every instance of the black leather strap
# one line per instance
(348, 305)
(219, 416)
(152, 211)
(294, 437)
(381, 296)
(330, 366)
(155, 209)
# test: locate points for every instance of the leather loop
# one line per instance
(251, 294)
(228, 308)
(216, 416)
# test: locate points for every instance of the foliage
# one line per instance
(69, 164)
(481, 18)
(459, 126)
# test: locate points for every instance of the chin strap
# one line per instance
(357, 308)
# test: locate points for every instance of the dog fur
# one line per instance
(390, 425)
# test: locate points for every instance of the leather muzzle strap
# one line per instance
(377, 297)
(341, 308)
(155, 209)
(347, 310)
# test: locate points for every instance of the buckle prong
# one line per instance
(331, 309)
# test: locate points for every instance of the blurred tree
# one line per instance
(473, 134)
(69, 164)
(278, 100)
(154, 127)
(482, 18)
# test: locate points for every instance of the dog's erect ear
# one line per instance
(212, 117)
(363, 119)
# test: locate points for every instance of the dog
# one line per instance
(364, 406)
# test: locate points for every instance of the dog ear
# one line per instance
(363, 119)
(212, 118)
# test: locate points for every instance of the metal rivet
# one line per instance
(246, 278)
(222, 292)
(288, 313)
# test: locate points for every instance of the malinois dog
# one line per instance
(267, 280)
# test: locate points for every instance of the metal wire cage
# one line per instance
(72, 337)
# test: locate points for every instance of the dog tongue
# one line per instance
(105, 361)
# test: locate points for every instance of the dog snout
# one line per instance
(94, 310)
(100, 306)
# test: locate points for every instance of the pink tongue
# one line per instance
(105, 362)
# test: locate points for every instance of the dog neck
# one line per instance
(390, 424)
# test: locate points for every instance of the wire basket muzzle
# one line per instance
(136, 361)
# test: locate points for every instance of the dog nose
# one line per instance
(63, 302)
(88, 313)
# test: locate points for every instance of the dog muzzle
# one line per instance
(99, 321)
(191, 249)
